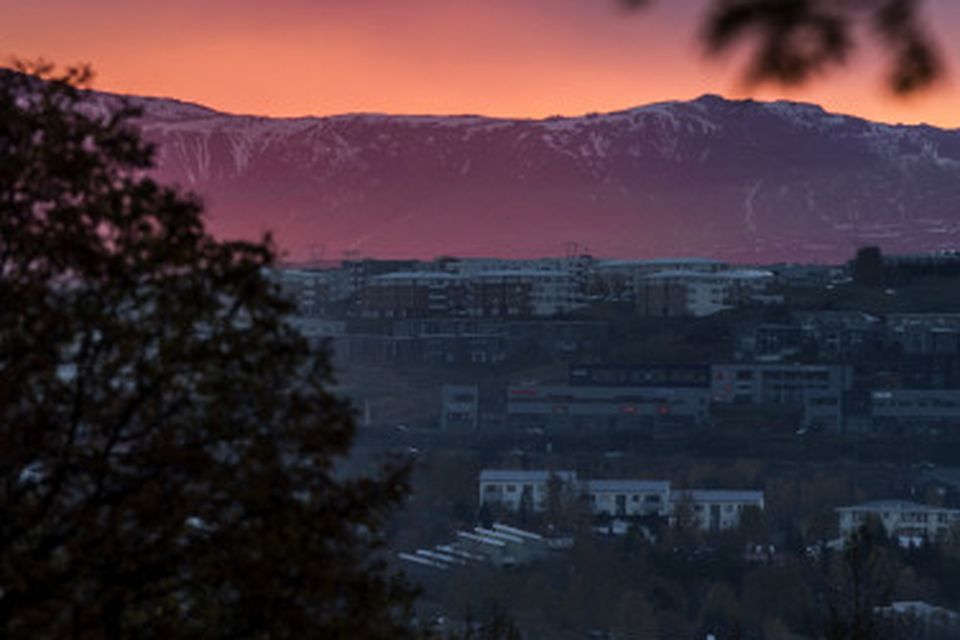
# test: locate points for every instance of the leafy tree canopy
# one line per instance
(168, 443)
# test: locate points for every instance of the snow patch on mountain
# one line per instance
(709, 176)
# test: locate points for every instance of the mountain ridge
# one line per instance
(734, 179)
(702, 98)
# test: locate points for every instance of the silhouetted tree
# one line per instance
(859, 584)
(796, 39)
(168, 444)
(498, 625)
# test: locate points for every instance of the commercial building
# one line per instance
(816, 389)
(640, 375)
(598, 408)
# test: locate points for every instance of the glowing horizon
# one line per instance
(499, 58)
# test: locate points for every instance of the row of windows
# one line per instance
(941, 518)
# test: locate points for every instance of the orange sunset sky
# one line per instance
(526, 58)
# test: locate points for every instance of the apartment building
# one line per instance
(710, 510)
(620, 498)
(915, 410)
(309, 290)
(633, 269)
(523, 293)
(513, 489)
(827, 335)
(925, 333)
(484, 294)
(698, 294)
(413, 294)
(899, 518)
(777, 383)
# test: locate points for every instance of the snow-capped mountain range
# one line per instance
(741, 180)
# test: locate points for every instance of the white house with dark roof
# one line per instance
(928, 620)
(511, 488)
(627, 497)
(715, 509)
(900, 518)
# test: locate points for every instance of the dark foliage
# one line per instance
(859, 585)
(797, 39)
(168, 445)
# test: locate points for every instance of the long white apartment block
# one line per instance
(513, 490)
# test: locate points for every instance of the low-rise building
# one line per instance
(829, 336)
(710, 510)
(620, 498)
(925, 333)
(484, 341)
(308, 289)
(459, 407)
(640, 375)
(714, 509)
(899, 518)
(767, 341)
(499, 545)
(777, 383)
(413, 294)
(816, 389)
(513, 489)
(598, 408)
(523, 293)
(481, 293)
(931, 411)
(921, 620)
(698, 294)
(633, 269)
